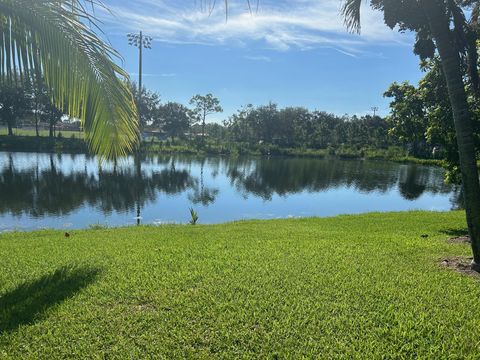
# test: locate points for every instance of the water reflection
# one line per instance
(39, 186)
(268, 177)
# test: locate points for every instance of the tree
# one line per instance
(437, 127)
(148, 105)
(55, 40)
(39, 99)
(204, 106)
(15, 101)
(441, 25)
(408, 120)
(174, 119)
(52, 116)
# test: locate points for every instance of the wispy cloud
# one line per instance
(280, 25)
(258, 58)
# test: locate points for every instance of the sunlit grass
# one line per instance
(43, 133)
(366, 286)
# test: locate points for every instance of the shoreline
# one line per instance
(75, 145)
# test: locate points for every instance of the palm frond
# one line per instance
(54, 40)
(351, 13)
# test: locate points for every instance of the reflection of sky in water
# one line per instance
(219, 189)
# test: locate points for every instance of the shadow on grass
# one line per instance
(28, 302)
(455, 232)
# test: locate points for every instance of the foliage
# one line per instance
(55, 41)
(423, 114)
(174, 119)
(148, 104)
(193, 217)
(204, 105)
(74, 145)
(263, 288)
(296, 127)
(15, 101)
(407, 118)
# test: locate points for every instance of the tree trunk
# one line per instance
(10, 126)
(203, 126)
(51, 130)
(440, 27)
(36, 126)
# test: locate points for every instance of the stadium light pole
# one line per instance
(140, 41)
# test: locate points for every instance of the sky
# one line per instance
(291, 52)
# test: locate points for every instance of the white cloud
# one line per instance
(301, 24)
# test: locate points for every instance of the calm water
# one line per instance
(73, 191)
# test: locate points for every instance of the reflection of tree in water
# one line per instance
(56, 190)
(412, 182)
(289, 176)
(51, 192)
(457, 199)
(202, 194)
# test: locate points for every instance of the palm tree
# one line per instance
(55, 41)
(441, 25)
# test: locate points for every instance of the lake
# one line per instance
(75, 191)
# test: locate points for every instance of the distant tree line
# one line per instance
(268, 124)
(419, 120)
(22, 100)
(298, 127)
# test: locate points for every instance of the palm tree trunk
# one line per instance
(450, 59)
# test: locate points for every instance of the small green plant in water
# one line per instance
(194, 217)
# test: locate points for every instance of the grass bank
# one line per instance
(42, 133)
(365, 286)
(393, 153)
(72, 142)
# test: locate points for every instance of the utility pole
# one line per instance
(374, 109)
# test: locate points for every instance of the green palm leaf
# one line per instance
(351, 13)
(54, 40)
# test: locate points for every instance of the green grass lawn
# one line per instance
(43, 133)
(364, 286)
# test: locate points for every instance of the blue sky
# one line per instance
(292, 52)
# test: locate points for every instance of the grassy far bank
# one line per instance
(42, 133)
(365, 286)
(71, 142)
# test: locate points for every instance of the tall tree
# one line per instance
(56, 40)
(174, 119)
(441, 25)
(205, 105)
